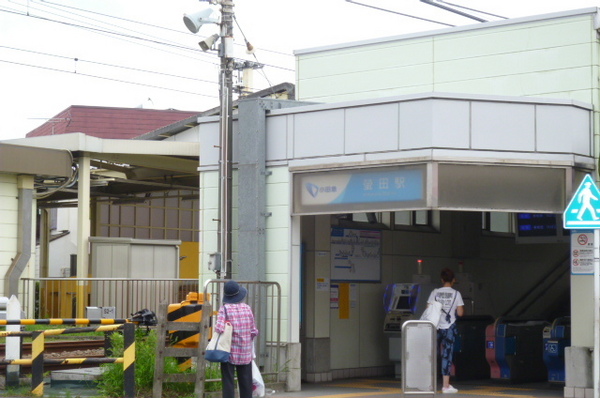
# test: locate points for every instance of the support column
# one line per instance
(83, 232)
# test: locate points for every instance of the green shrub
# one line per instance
(112, 382)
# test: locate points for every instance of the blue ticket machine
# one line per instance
(400, 305)
(556, 338)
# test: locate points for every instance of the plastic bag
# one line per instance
(258, 385)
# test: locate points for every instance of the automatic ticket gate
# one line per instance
(556, 338)
(469, 359)
(400, 305)
(514, 350)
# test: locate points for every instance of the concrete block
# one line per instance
(293, 380)
(569, 392)
(578, 367)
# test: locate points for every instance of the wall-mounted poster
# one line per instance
(355, 255)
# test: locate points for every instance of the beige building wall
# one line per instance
(551, 56)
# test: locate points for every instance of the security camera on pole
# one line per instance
(225, 49)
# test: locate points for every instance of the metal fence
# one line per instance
(57, 297)
(265, 300)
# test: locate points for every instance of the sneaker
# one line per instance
(449, 390)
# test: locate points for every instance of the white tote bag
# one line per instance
(219, 347)
(433, 313)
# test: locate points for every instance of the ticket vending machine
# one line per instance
(400, 304)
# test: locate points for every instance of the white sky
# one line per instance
(40, 76)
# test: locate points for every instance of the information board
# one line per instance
(355, 255)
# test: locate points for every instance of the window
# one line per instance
(370, 218)
(417, 218)
(497, 222)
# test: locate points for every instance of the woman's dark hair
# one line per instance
(447, 275)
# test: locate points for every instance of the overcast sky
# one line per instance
(130, 53)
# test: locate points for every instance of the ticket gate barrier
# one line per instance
(518, 348)
(470, 348)
(556, 338)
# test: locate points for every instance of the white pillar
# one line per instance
(83, 231)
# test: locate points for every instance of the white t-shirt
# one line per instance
(450, 299)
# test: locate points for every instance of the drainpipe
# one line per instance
(20, 261)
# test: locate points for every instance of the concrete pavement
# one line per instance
(388, 388)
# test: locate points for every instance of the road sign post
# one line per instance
(583, 212)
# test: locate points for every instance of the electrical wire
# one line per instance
(109, 65)
(398, 13)
(104, 31)
(115, 34)
(150, 25)
(253, 54)
(472, 9)
(107, 78)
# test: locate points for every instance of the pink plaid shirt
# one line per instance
(244, 330)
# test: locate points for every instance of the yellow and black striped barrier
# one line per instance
(54, 332)
(189, 310)
(37, 360)
(66, 321)
(37, 364)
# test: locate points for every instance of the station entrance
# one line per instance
(366, 273)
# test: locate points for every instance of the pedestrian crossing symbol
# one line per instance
(583, 210)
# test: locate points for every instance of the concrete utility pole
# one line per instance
(226, 127)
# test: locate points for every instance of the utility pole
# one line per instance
(225, 141)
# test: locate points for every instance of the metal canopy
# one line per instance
(120, 169)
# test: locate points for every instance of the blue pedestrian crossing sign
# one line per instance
(583, 210)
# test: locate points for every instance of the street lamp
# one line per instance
(225, 49)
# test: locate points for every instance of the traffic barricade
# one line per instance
(189, 310)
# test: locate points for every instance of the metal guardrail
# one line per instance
(57, 297)
(265, 300)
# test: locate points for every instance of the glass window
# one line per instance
(371, 218)
(497, 222)
(420, 218)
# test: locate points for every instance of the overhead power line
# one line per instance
(126, 35)
(109, 65)
(107, 78)
(398, 13)
(149, 25)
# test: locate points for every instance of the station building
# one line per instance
(425, 148)
(405, 155)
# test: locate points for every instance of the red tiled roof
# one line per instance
(105, 122)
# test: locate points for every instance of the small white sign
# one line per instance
(582, 252)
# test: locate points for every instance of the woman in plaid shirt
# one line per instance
(244, 330)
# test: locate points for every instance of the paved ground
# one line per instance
(366, 387)
(388, 388)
